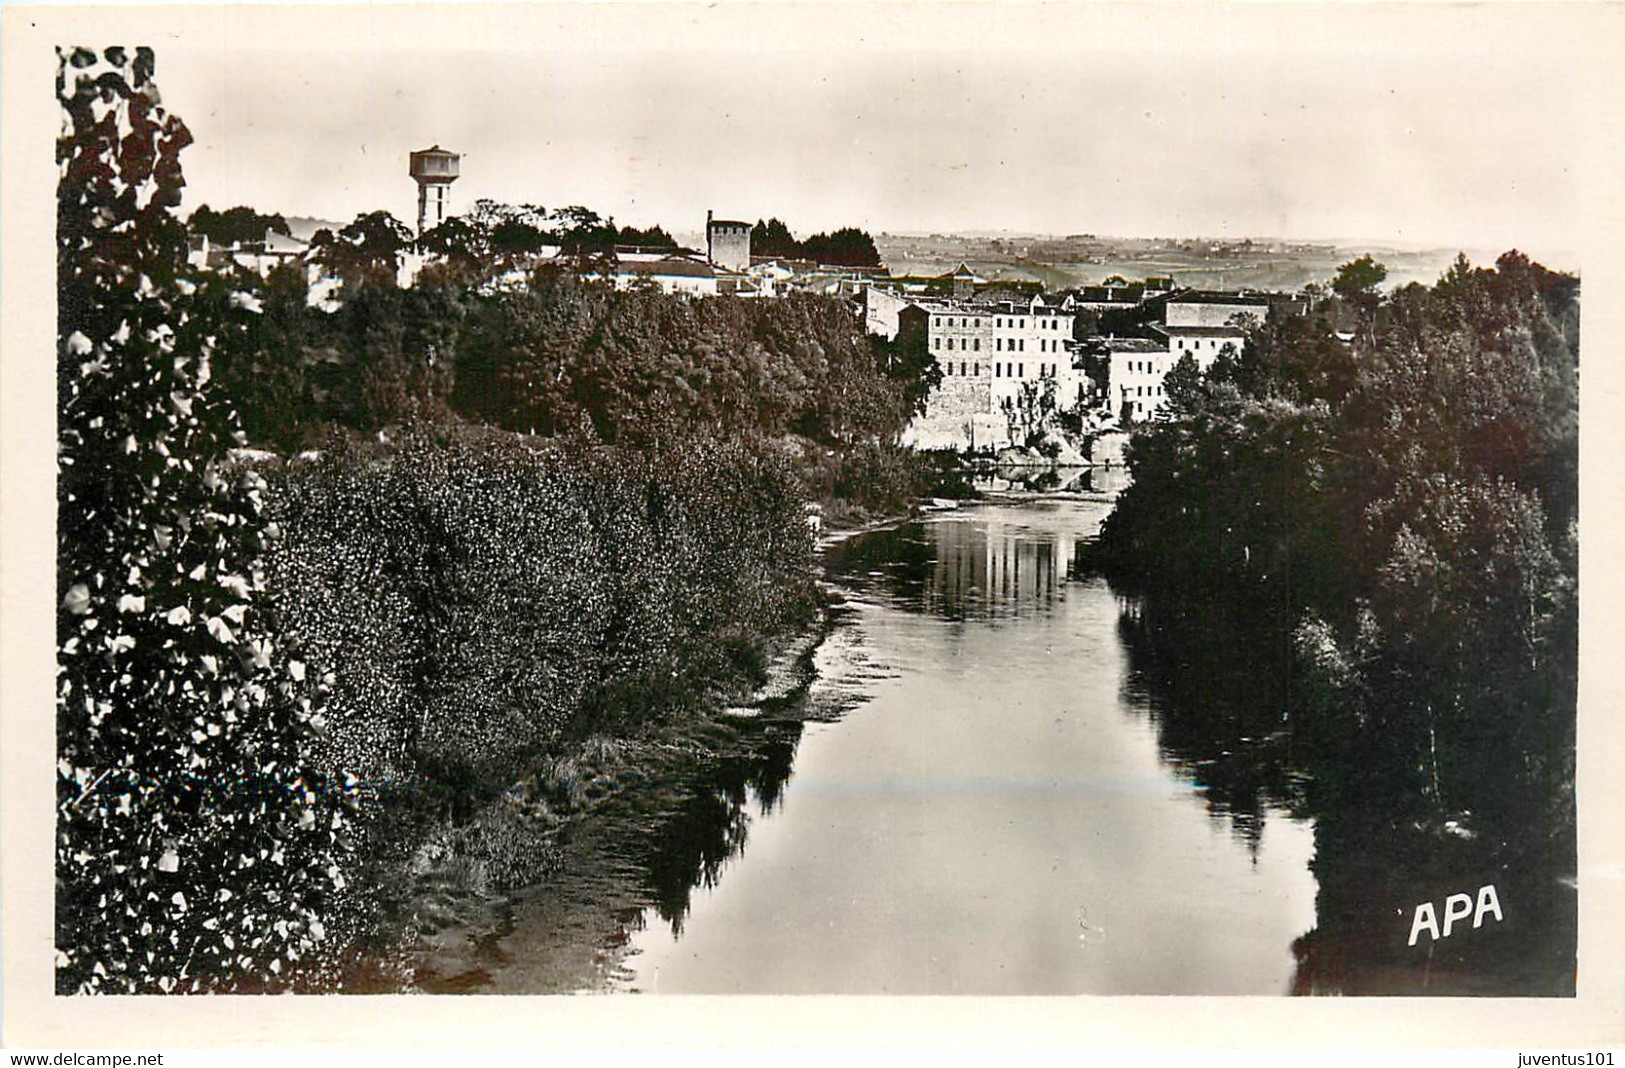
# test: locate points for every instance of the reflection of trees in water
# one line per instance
(710, 825)
(1211, 683)
(1216, 681)
(900, 561)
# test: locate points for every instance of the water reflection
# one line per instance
(973, 566)
(1015, 792)
(1216, 680)
(710, 826)
(1212, 688)
(1051, 789)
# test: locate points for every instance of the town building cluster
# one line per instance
(1003, 353)
(1008, 356)
(726, 267)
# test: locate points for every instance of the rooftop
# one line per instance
(670, 267)
(1130, 345)
(1203, 296)
(281, 243)
(1110, 294)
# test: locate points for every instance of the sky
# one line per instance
(1459, 125)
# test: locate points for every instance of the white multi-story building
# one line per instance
(1136, 367)
(987, 355)
(1202, 343)
(1196, 324)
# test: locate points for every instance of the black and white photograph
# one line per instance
(943, 500)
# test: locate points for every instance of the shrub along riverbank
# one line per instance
(486, 607)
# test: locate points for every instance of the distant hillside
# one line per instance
(1087, 260)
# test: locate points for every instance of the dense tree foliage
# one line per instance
(235, 225)
(367, 251)
(1405, 502)
(653, 237)
(907, 360)
(1370, 515)
(484, 599)
(845, 247)
(1360, 275)
(773, 238)
(642, 364)
(196, 849)
(556, 354)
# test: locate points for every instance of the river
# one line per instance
(999, 814)
(1004, 777)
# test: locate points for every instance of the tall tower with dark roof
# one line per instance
(434, 169)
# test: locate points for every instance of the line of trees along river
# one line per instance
(1373, 510)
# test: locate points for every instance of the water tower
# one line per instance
(434, 169)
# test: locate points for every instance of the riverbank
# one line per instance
(569, 859)
(445, 861)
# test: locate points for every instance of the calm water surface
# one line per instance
(998, 816)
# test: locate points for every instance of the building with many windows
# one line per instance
(1136, 367)
(1202, 343)
(990, 354)
(1199, 324)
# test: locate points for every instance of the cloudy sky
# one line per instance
(1451, 125)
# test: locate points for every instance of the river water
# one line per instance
(1003, 811)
